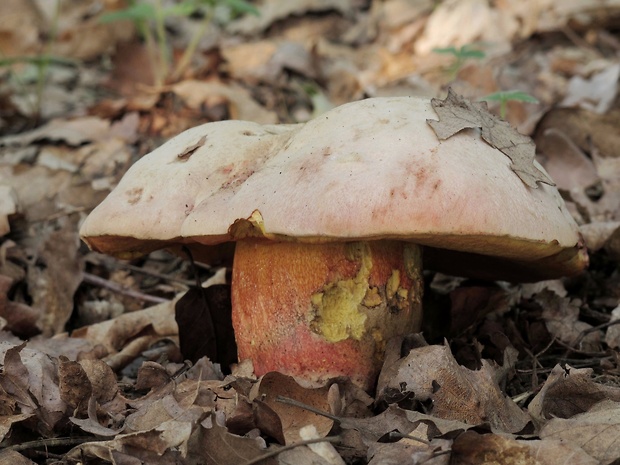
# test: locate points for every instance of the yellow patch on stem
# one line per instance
(336, 306)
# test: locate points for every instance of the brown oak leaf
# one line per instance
(457, 113)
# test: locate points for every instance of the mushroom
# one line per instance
(329, 221)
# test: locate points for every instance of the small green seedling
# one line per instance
(506, 96)
(461, 55)
(152, 16)
(40, 64)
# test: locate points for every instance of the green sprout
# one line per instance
(461, 55)
(505, 96)
(37, 68)
(150, 22)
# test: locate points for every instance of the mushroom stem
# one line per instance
(316, 311)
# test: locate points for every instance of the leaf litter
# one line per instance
(90, 373)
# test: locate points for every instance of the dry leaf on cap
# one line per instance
(456, 113)
(431, 373)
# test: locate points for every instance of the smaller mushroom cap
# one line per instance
(367, 170)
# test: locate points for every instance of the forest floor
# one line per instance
(92, 370)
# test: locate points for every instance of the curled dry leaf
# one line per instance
(158, 446)
(431, 373)
(456, 113)
(568, 392)
(126, 336)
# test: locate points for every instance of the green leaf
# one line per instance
(240, 7)
(464, 52)
(507, 95)
(184, 8)
(136, 12)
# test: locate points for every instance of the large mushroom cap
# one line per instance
(367, 170)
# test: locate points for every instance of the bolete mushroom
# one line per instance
(330, 219)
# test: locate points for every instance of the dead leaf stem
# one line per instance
(53, 442)
(273, 453)
(115, 287)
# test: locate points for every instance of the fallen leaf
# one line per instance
(56, 274)
(7, 420)
(407, 451)
(564, 160)
(21, 319)
(74, 132)
(293, 418)
(561, 316)
(612, 336)
(370, 430)
(29, 377)
(472, 448)
(274, 10)
(74, 385)
(597, 431)
(212, 444)
(471, 303)
(265, 61)
(126, 336)
(430, 374)
(243, 106)
(568, 392)
(456, 113)
(8, 208)
(205, 325)
(597, 93)
(158, 446)
(14, 458)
